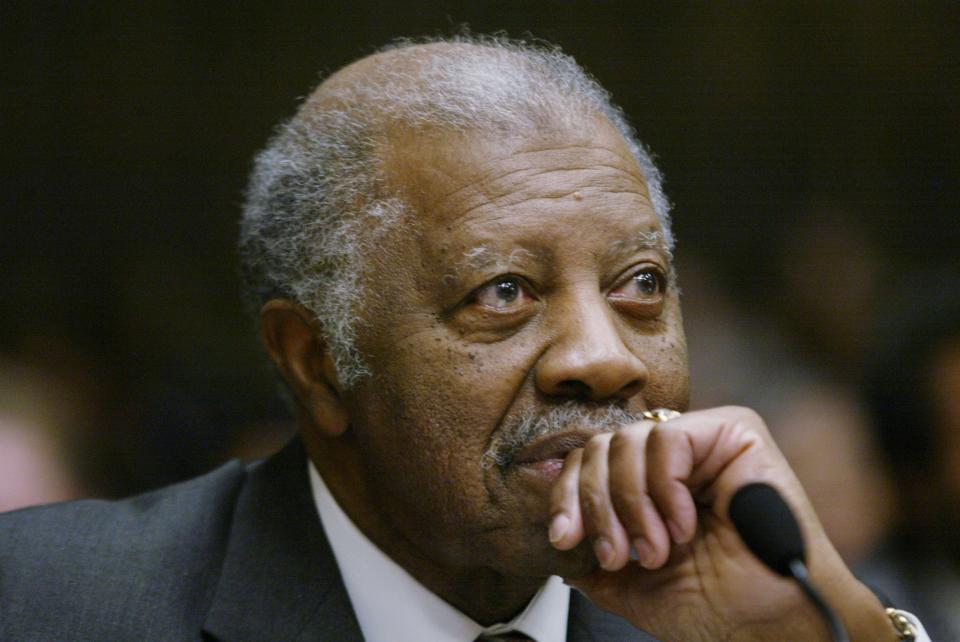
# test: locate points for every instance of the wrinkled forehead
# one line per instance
(445, 175)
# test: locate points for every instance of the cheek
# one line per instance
(666, 358)
(426, 419)
(444, 397)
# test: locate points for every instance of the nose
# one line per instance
(588, 358)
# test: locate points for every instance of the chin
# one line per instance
(546, 562)
(576, 563)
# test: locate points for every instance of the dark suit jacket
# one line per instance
(238, 554)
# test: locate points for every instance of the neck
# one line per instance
(487, 597)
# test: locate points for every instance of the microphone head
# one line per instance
(767, 526)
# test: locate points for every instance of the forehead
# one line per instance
(477, 183)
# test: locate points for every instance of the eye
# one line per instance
(505, 293)
(646, 285)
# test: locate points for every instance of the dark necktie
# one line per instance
(511, 636)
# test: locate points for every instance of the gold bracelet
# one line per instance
(905, 629)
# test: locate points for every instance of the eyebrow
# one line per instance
(482, 259)
(652, 240)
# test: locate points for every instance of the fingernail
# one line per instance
(645, 552)
(558, 528)
(604, 551)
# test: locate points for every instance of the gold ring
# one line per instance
(660, 415)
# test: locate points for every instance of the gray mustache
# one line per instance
(518, 432)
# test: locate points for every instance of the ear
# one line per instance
(292, 337)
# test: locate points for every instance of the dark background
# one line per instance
(128, 130)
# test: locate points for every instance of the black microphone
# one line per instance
(772, 533)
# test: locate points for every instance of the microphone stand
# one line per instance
(798, 570)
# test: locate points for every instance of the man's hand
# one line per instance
(663, 490)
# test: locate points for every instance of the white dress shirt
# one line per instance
(392, 606)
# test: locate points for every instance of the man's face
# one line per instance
(532, 279)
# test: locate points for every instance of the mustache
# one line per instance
(521, 430)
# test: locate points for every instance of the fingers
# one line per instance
(628, 490)
(708, 454)
(636, 487)
(566, 524)
(601, 495)
(581, 506)
(670, 459)
(610, 542)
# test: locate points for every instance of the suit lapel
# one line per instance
(280, 580)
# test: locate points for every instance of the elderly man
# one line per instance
(461, 261)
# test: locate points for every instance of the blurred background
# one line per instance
(812, 151)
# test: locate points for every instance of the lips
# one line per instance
(553, 447)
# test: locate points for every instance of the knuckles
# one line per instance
(592, 497)
(743, 415)
(745, 424)
(631, 437)
(597, 445)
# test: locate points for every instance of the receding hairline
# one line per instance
(402, 58)
(405, 60)
(399, 59)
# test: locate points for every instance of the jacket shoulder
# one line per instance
(95, 569)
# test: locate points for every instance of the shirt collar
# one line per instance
(391, 605)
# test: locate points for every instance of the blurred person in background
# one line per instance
(913, 390)
(797, 332)
(815, 415)
(48, 452)
(37, 451)
(827, 266)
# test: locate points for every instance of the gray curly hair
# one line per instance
(316, 205)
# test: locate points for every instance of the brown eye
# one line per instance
(646, 285)
(507, 290)
(503, 293)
